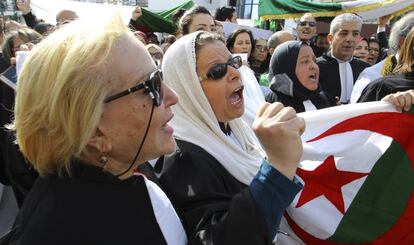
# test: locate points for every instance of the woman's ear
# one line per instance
(100, 142)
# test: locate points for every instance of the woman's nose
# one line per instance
(233, 74)
(170, 97)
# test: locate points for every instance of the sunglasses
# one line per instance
(152, 86)
(220, 70)
(261, 47)
(310, 23)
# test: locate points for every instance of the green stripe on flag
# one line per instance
(381, 199)
(274, 7)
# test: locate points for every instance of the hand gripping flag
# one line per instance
(358, 174)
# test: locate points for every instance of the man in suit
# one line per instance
(338, 68)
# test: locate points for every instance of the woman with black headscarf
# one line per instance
(294, 78)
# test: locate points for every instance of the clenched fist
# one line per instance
(278, 129)
(136, 13)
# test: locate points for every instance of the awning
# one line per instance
(367, 9)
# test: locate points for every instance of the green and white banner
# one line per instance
(367, 9)
(358, 176)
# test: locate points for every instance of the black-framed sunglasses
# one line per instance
(310, 23)
(220, 70)
(152, 86)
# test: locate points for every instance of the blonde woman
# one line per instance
(86, 115)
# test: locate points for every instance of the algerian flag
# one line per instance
(358, 174)
(367, 9)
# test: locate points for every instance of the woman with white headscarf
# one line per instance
(218, 180)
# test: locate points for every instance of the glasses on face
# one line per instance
(373, 50)
(261, 47)
(220, 70)
(310, 23)
(152, 86)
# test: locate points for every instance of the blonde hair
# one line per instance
(405, 62)
(61, 90)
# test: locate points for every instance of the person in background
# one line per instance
(224, 190)
(65, 16)
(14, 169)
(12, 43)
(45, 29)
(402, 78)
(362, 50)
(11, 25)
(273, 42)
(164, 47)
(241, 41)
(294, 78)
(152, 38)
(170, 39)
(322, 44)
(175, 19)
(338, 68)
(306, 28)
(226, 14)
(86, 115)
(381, 35)
(156, 53)
(278, 38)
(197, 18)
(29, 17)
(219, 29)
(398, 33)
(374, 49)
(260, 58)
(141, 37)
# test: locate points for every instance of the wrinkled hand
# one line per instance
(401, 100)
(278, 129)
(383, 20)
(23, 5)
(136, 13)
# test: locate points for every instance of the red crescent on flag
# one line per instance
(400, 127)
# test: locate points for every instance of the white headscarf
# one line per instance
(194, 119)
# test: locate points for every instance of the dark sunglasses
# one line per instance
(152, 86)
(310, 23)
(218, 71)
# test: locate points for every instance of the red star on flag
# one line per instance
(326, 180)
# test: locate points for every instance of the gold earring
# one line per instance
(104, 161)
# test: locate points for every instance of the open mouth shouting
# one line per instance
(313, 77)
(236, 98)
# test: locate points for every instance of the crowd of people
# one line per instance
(114, 137)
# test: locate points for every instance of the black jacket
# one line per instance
(90, 207)
(215, 207)
(14, 170)
(387, 85)
(329, 77)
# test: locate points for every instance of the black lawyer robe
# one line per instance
(214, 206)
(329, 77)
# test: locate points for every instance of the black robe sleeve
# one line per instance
(382, 38)
(382, 87)
(30, 19)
